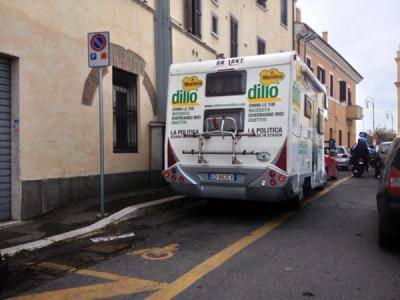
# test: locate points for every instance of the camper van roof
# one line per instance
(230, 63)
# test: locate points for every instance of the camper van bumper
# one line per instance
(231, 192)
(269, 185)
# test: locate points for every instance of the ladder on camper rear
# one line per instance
(214, 132)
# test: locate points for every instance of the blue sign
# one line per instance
(98, 42)
(93, 56)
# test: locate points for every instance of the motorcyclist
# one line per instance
(360, 150)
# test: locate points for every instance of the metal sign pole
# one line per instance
(101, 125)
(99, 57)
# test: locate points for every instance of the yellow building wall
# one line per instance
(58, 135)
(253, 21)
(337, 116)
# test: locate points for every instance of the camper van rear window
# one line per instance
(231, 120)
(226, 83)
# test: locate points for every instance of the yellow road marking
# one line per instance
(51, 265)
(122, 285)
(119, 286)
(156, 253)
(178, 286)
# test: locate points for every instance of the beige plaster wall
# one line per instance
(253, 21)
(59, 135)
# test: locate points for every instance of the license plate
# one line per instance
(222, 177)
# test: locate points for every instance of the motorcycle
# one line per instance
(358, 167)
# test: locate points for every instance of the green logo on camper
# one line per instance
(187, 96)
(267, 90)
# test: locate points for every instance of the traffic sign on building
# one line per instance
(98, 49)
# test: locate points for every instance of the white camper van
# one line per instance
(245, 128)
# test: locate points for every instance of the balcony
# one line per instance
(354, 112)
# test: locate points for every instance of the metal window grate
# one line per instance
(125, 131)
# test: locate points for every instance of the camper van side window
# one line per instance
(307, 107)
(226, 83)
(321, 122)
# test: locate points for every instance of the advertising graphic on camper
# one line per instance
(235, 122)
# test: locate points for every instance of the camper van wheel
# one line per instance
(296, 203)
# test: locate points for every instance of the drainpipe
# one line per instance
(293, 17)
(163, 55)
(300, 38)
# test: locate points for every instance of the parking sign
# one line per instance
(98, 49)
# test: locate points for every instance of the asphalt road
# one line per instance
(235, 250)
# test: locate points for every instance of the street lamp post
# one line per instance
(370, 100)
(390, 114)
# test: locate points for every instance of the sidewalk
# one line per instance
(74, 215)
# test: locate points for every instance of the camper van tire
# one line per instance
(296, 203)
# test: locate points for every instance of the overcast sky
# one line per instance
(367, 34)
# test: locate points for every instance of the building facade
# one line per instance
(49, 136)
(340, 79)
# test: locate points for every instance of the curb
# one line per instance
(127, 213)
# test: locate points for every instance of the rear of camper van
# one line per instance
(234, 129)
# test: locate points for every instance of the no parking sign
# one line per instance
(99, 49)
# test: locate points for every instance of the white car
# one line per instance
(343, 157)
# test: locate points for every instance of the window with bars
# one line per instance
(284, 12)
(193, 17)
(261, 46)
(234, 26)
(125, 131)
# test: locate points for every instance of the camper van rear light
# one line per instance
(173, 170)
(166, 174)
(171, 155)
(181, 179)
(272, 173)
(272, 182)
(282, 178)
(281, 162)
(173, 177)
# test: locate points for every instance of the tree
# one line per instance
(382, 134)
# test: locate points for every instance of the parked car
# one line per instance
(343, 157)
(331, 164)
(388, 197)
(380, 157)
(3, 272)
